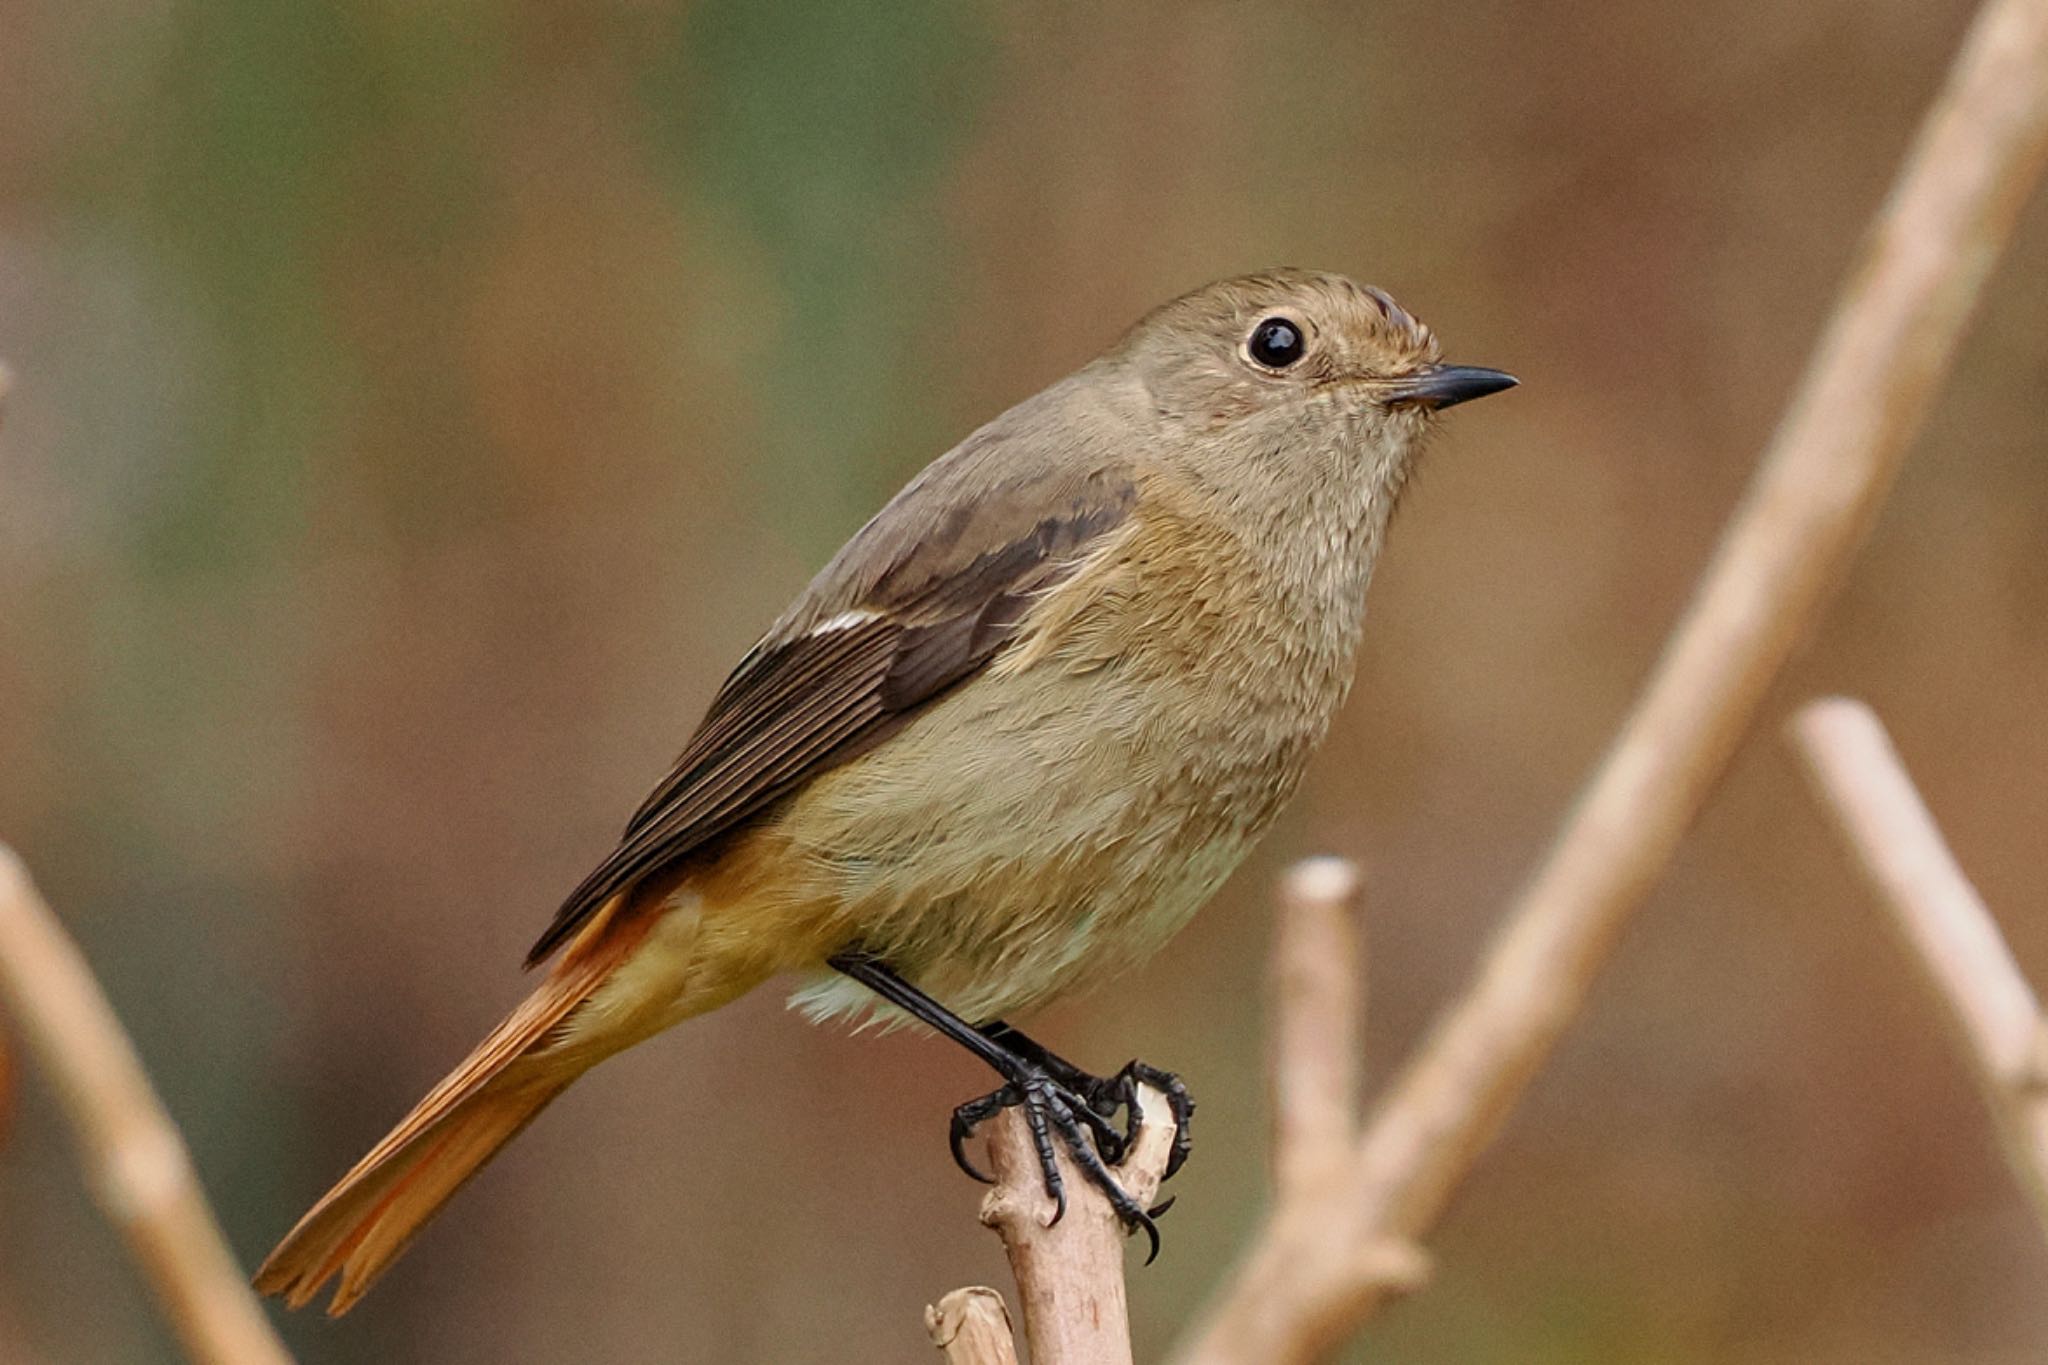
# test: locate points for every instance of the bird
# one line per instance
(1007, 741)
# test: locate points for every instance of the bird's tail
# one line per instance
(363, 1224)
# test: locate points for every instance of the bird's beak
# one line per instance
(1443, 386)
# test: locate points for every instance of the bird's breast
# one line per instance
(1059, 815)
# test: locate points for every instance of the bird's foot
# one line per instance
(1124, 1087)
(1054, 1109)
(1107, 1094)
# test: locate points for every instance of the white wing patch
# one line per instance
(845, 620)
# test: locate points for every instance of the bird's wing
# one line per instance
(919, 600)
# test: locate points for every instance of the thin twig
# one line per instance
(1315, 1261)
(6, 1088)
(135, 1163)
(1317, 1001)
(1865, 788)
(1866, 393)
(6, 1050)
(971, 1326)
(1070, 1273)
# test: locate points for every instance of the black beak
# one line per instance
(1444, 386)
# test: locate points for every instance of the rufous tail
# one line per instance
(363, 1224)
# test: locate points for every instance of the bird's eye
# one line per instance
(1276, 343)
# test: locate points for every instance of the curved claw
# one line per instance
(1159, 1209)
(1152, 1234)
(957, 1139)
(970, 1116)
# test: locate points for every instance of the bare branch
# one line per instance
(972, 1327)
(135, 1162)
(6, 1089)
(1316, 1006)
(1312, 1273)
(1859, 778)
(1866, 393)
(1070, 1274)
(1315, 1261)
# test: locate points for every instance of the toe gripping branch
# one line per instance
(1060, 1101)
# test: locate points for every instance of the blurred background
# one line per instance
(419, 407)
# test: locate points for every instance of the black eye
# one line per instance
(1276, 343)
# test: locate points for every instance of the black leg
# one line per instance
(1038, 1082)
(1021, 1043)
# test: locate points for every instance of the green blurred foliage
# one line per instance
(825, 132)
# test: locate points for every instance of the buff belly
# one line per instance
(1025, 839)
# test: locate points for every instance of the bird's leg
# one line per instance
(1106, 1093)
(1052, 1107)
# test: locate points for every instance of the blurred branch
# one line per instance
(1866, 392)
(1317, 1001)
(6, 1089)
(1859, 778)
(1316, 1260)
(135, 1163)
(1070, 1274)
(972, 1327)
(6, 1050)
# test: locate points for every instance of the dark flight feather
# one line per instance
(919, 600)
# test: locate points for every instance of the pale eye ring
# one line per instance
(1276, 343)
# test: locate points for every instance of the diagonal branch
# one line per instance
(135, 1162)
(1866, 790)
(1865, 395)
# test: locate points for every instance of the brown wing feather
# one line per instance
(923, 597)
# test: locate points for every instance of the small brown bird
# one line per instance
(1017, 731)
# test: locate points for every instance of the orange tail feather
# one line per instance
(372, 1214)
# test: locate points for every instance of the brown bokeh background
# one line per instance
(419, 407)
